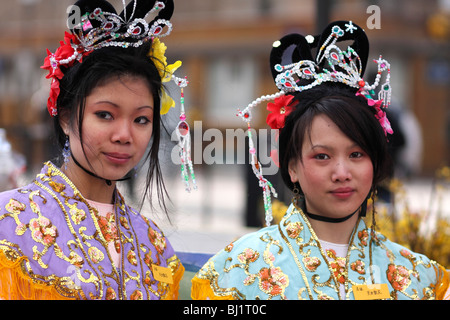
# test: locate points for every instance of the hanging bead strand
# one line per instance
(184, 141)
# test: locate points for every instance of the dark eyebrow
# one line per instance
(354, 145)
(320, 146)
(117, 106)
(145, 107)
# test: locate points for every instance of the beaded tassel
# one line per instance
(184, 142)
(265, 184)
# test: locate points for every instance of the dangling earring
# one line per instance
(296, 196)
(66, 152)
(374, 223)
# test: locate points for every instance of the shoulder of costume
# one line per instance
(397, 248)
(252, 240)
(400, 255)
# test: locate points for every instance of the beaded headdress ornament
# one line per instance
(331, 65)
(103, 27)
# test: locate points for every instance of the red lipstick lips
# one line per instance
(343, 193)
(118, 158)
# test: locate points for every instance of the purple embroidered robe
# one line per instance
(53, 231)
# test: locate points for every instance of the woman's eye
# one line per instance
(356, 155)
(104, 115)
(321, 156)
(142, 120)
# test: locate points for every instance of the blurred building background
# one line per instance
(224, 46)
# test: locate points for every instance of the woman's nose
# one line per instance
(341, 172)
(122, 133)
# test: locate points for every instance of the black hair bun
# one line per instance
(136, 9)
(295, 47)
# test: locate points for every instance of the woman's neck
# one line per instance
(332, 230)
(338, 233)
(91, 188)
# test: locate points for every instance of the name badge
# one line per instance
(162, 274)
(371, 291)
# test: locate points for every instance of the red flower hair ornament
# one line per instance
(279, 109)
(69, 51)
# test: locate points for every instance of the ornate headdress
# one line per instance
(99, 26)
(331, 65)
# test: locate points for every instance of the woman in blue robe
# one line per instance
(332, 154)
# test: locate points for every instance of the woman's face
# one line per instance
(117, 127)
(334, 173)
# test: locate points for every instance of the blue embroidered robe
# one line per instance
(286, 261)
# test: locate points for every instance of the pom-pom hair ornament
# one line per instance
(331, 65)
(102, 27)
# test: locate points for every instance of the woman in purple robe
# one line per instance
(70, 234)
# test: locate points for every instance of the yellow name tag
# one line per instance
(162, 274)
(371, 291)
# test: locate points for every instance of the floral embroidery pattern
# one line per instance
(273, 281)
(398, 277)
(311, 263)
(248, 256)
(77, 215)
(110, 294)
(358, 266)
(337, 264)
(43, 231)
(136, 295)
(108, 226)
(95, 254)
(148, 259)
(124, 223)
(363, 236)
(293, 229)
(157, 239)
(15, 207)
(131, 256)
(76, 260)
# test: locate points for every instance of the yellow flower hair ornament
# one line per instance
(157, 54)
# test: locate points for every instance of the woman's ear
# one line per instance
(292, 169)
(64, 123)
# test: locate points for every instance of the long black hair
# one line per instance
(103, 65)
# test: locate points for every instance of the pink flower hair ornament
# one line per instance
(380, 114)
